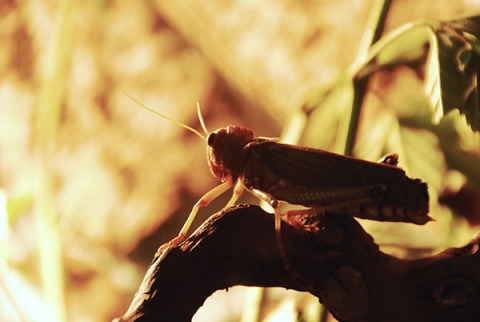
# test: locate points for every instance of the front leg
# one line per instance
(202, 202)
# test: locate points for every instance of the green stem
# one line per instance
(359, 91)
(53, 79)
(372, 35)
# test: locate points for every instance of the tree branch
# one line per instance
(338, 262)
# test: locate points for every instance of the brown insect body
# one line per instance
(316, 178)
(303, 176)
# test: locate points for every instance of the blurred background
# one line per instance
(91, 184)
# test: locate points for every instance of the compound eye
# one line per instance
(211, 139)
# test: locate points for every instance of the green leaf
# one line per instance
(453, 68)
(403, 46)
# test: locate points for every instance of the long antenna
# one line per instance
(203, 137)
(200, 117)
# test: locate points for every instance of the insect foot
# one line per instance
(390, 159)
(307, 222)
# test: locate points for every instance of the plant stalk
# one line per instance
(372, 34)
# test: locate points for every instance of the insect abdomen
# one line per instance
(382, 212)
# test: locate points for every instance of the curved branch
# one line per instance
(338, 262)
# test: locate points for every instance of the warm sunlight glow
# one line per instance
(93, 180)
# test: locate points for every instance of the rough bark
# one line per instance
(338, 262)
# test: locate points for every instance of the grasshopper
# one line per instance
(313, 178)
